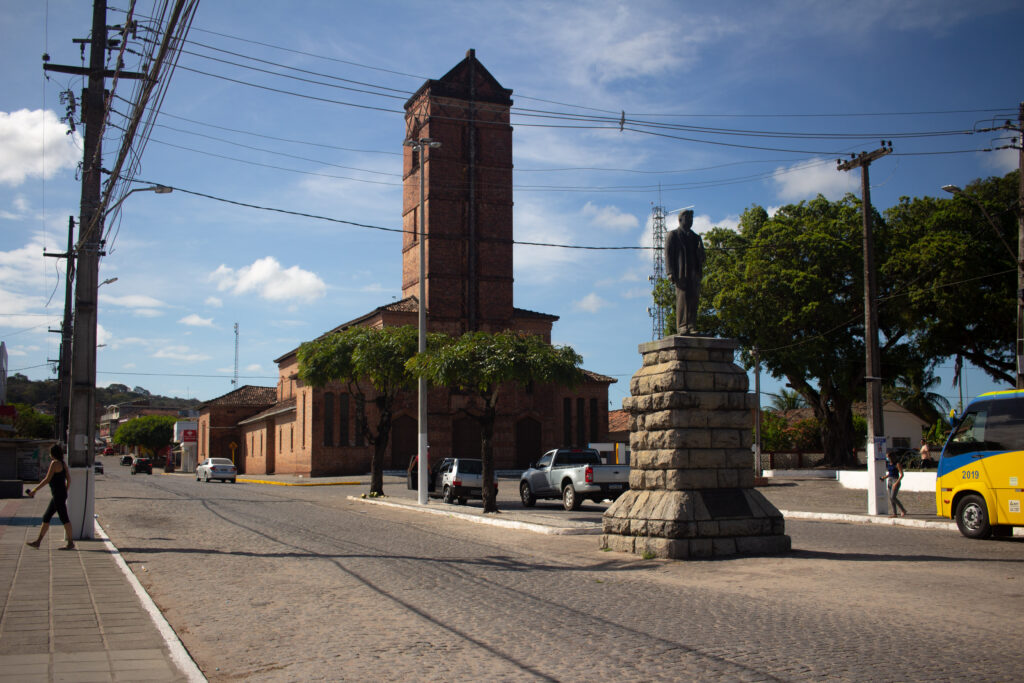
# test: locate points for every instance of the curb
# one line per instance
(867, 519)
(478, 519)
(295, 483)
(179, 655)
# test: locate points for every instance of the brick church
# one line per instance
(299, 429)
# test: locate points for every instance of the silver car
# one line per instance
(216, 468)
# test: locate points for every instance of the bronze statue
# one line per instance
(684, 258)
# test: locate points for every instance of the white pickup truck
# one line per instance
(572, 474)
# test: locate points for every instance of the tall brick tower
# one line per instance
(468, 200)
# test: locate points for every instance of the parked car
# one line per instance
(459, 479)
(108, 451)
(141, 464)
(572, 474)
(216, 468)
(126, 460)
(97, 467)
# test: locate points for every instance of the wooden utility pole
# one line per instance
(877, 503)
(81, 434)
(64, 359)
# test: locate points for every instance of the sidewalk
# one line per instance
(77, 615)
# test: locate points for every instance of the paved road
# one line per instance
(273, 583)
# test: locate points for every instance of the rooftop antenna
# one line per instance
(234, 379)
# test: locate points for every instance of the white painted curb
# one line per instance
(179, 655)
(480, 519)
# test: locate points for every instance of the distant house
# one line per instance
(220, 433)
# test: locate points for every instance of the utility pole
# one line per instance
(1020, 248)
(81, 437)
(877, 503)
(64, 359)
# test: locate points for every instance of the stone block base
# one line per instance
(694, 524)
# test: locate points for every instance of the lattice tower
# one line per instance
(234, 379)
(657, 311)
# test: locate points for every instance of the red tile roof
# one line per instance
(247, 395)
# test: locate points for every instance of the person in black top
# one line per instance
(59, 479)
(893, 477)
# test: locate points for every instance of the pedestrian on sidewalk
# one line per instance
(59, 479)
(893, 477)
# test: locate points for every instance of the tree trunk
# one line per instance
(380, 446)
(837, 435)
(490, 496)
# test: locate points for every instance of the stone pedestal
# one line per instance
(692, 480)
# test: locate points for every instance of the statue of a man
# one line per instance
(684, 258)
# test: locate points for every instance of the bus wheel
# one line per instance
(972, 517)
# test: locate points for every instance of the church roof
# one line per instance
(467, 80)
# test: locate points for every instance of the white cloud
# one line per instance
(213, 302)
(807, 180)
(1002, 160)
(34, 143)
(253, 367)
(591, 303)
(269, 280)
(102, 336)
(140, 304)
(180, 353)
(610, 217)
(195, 321)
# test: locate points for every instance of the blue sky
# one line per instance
(189, 267)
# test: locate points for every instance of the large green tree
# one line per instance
(371, 362)
(32, 424)
(149, 432)
(482, 363)
(958, 273)
(790, 285)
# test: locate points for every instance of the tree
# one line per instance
(791, 285)
(149, 432)
(912, 389)
(787, 399)
(372, 364)
(481, 363)
(959, 274)
(32, 424)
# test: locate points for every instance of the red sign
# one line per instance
(188, 435)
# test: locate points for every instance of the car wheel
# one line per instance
(448, 497)
(233, 481)
(462, 501)
(570, 501)
(526, 495)
(197, 477)
(972, 517)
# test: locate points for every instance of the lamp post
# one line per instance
(1019, 258)
(419, 146)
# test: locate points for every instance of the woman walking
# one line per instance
(59, 479)
(893, 477)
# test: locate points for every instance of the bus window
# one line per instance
(969, 435)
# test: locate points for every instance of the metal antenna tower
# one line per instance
(234, 380)
(657, 311)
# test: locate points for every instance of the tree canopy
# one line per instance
(371, 362)
(149, 432)
(791, 286)
(481, 363)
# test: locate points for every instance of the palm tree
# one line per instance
(913, 389)
(787, 399)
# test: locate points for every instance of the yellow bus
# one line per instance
(980, 480)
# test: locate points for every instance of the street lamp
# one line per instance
(159, 189)
(1019, 258)
(108, 281)
(419, 147)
